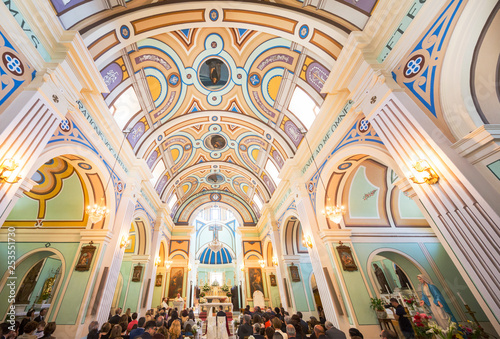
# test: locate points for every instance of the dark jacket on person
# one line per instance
(136, 332)
(115, 320)
(245, 330)
(335, 333)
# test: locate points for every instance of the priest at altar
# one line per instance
(179, 302)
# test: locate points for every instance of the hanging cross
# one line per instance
(215, 228)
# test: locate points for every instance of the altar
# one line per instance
(213, 307)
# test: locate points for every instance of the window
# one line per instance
(216, 276)
(215, 213)
(157, 172)
(257, 201)
(125, 106)
(272, 170)
(172, 201)
(303, 106)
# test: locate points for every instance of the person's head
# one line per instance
(299, 314)
(191, 314)
(128, 311)
(354, 332)
(41, 326)
(93, 334)
(277, 323)
(277, 310)
(94, 325)
(159, 321)
(163, 331)
(423, 279)
(319, 330)
(290, 331)
(118, 311)
(269, 332)
(188, 328)
(116, 332)
(256, 318)
(394, 302)
(247, 307)
(185, 313)
(134, 316)
(288, 319)
(150, 327)
(178, 295)
(105, 328)
(313, 321)
(124, 318)
(246, 319)
(43, 312)
(277, 335)
(174, 315)
(221, 308)
(328, 325)
(49, 329)
(256, 328)
(265, 317)
(30, 327)
(175, 329)
(141, 322)
(388, 334)
(30, 314)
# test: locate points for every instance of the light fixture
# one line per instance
(215, 245)
(262, 263)
(6, 169)
(157, 261)
(275, 261)
(124, 242)
(168, 263)
(189, 267)
(333, 213)
(423, 173)
(242, 267)
(98, 212)
(307, 241)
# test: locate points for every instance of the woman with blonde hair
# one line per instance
(175, 330)
(116, 332)
(434, 300)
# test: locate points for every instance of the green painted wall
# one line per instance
(307, 269)
(125, 271)
(298, 293)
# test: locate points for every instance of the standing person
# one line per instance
(164, 303)
(303, 324)
(321, 313)
(433, 299)
(404, 322)
(332, 332)
(129, 315)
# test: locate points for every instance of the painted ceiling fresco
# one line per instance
(206, 104)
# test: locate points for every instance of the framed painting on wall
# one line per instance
(136, 276)
(159, 279)
(255, 279)
(346, 258)
(176, 282)
(272, 279)
(86, 256)
(294, 273)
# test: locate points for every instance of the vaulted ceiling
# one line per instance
(204, 87)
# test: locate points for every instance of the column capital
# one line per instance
(334, 236)
(99, 235)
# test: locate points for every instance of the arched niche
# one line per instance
(292, 237)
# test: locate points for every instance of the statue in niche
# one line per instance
(384, 285)
(28, 284)
(403, 279)
(47, 289)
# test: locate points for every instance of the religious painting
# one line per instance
(272, 279)
(136, 276)
(294, 273)
(348, 263)
(86, 256)
(215, 178)
(255, 279)
(213, 74)
(215, 142)
(158, 280)
(176, 282)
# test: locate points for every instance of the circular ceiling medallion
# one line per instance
(215, 197)
(215, 178)
(215, 142)
(214, 74)
(214, 15)
(303, 31)
(84, 166)
(125, 32)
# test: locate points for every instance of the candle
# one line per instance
(463, 301)
(387, 289)
(408, 286)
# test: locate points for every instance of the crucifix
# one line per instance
(216, 228)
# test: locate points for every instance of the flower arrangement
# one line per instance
(229, 294)
(377, 304)
(205, 288)
(195, 329)
(421, 321)
(202, 294)
(225, 288)
(203, 300)
(411, 301)
(469, 331)
(449, 333)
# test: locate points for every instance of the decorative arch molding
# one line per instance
(321, 37)
(290, 236)
(166, 193)
(185, 211)
(43, 252)
(143, 234)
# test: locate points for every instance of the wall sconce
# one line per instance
(307, 242)
(168, 263)
(262, 263)
(275, 261)
(189, 267)
(242, 267)
(124, 242)
(423, 173)
(157, 261)
(8, 166)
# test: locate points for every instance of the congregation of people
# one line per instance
(169, 323)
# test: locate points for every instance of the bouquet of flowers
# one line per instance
(203, 300)
(205, 288)
(229, 294)
(195, 329)
(469, 331)
(410, 302)
(202, 294)
(439, 332)
(225, 288)
(421, 321)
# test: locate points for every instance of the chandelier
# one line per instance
(97, 212)
(334, 213)
(215, 245)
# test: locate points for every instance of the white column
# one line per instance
(281, 269)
